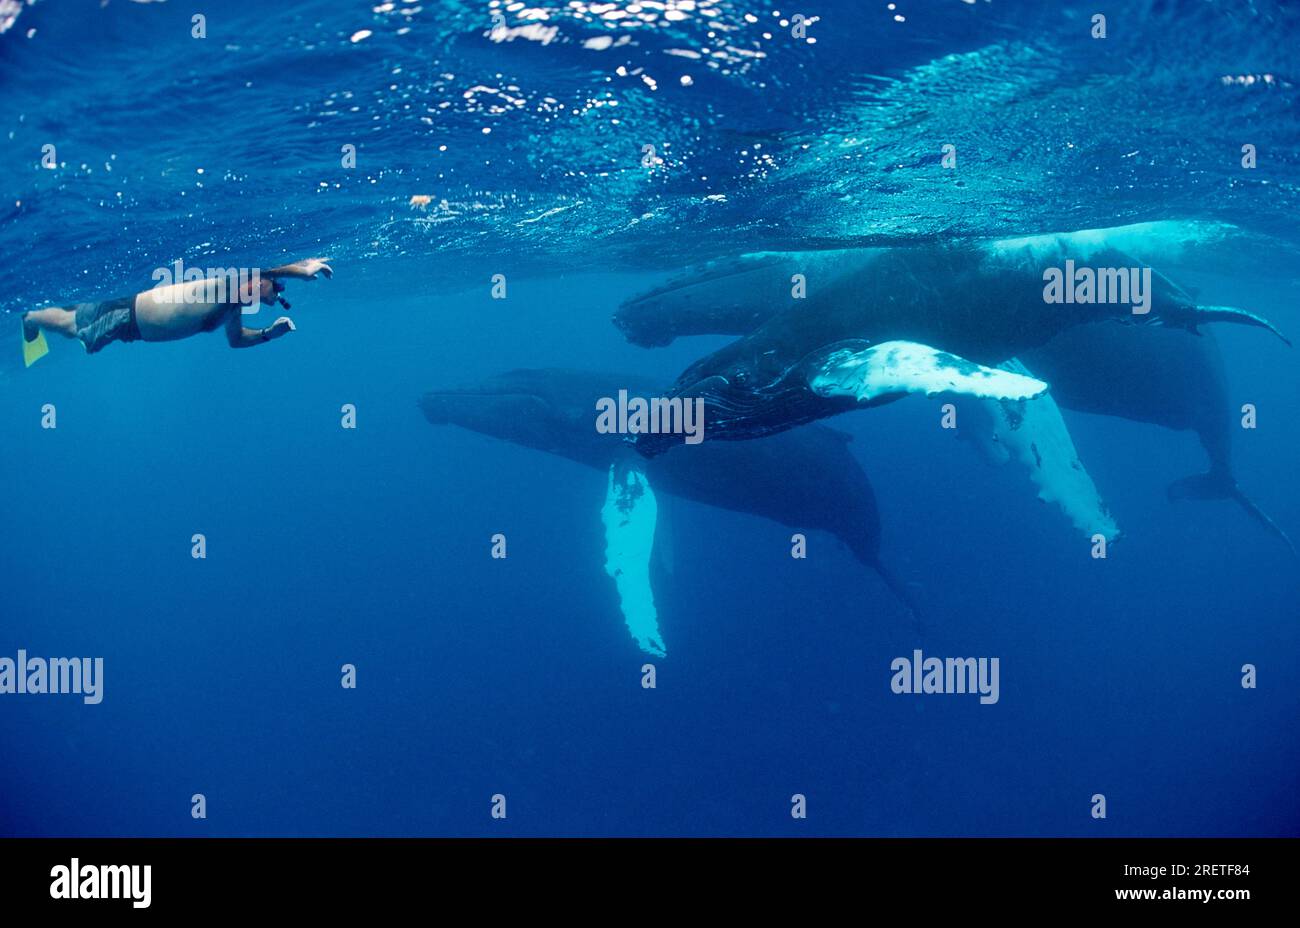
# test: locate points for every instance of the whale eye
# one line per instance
(739, 377)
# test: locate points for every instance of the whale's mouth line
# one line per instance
(727, 405)
(705, 275)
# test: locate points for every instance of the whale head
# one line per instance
(546, 410)
(731, 296)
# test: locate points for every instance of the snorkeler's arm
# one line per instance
(240, 337)
(302, 270)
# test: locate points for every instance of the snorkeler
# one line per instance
(173, 311)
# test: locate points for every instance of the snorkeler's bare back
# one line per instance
(178, 311)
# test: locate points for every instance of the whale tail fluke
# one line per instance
(1233, 314)
(1216, 486)
(902, 593)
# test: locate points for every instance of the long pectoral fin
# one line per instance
(1035, 434)
(630, 514)
(865, 372)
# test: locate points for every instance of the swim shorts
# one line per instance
(98, 324)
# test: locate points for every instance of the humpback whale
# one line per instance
(1153, 374)
(735, 295)
(877, 324)
(805, 479)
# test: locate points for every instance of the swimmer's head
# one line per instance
(269, 292)
(276, 289)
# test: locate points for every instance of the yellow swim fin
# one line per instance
(36, 349)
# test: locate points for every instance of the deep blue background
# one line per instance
(371, 547)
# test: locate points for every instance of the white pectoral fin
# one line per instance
(870, 371)
(1035, 434)
(979, 425)
(629, 514)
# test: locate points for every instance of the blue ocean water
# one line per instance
(371, 547)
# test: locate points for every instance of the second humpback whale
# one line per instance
(877, 324)
(807, 479)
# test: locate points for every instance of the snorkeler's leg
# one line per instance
(54, 319)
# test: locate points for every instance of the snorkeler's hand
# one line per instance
(282, 326)
(302, 270)
(312, 266)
